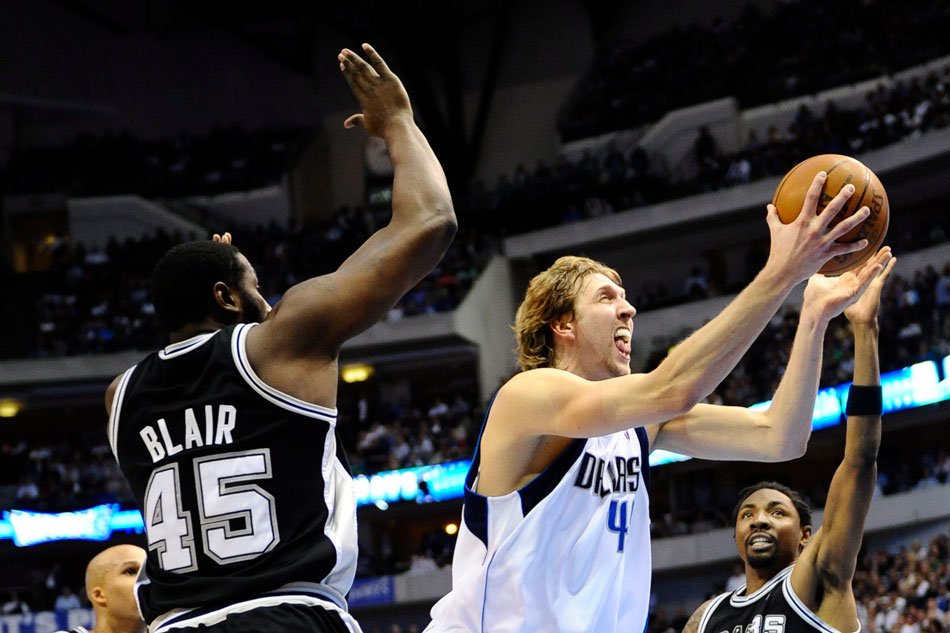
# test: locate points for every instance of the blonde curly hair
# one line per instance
(551, 294)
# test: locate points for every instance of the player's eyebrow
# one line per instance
(613, 288)
(768, 506)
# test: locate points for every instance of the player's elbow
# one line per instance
(793, 449)
(675, 402)
(787, 447)
(441, 225)
(446, 223)
(674, 394)
(780, 443)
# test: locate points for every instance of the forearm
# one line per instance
(420, 190)
(864, 431)
(867, 369)
(852, 486)
(705, 358)
(793, 404)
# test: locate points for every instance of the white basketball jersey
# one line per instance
(567, 553)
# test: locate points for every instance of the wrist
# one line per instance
(812, 313)
(776, 278)
(861, 326)
(396, 126)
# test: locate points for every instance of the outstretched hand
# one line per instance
(380, 93)
(865, 309)
(226, 237)
(833, 295)
(802, 246)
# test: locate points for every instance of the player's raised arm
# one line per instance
(587, 408)
(781, 432)
(797, 251)
(318, 315)
(823, 574)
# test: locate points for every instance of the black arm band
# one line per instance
(864, 400)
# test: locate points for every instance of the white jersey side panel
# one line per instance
(569, 552)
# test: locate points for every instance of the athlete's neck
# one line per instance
(107, 624)
(756, 578)
(194, 329)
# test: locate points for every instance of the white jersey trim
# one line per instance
(710, 610)
(183, 347)
(804, 612)
(117, 398)
(340, 526)
(275, 396)
(737, 600)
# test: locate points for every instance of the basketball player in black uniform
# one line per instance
(797, 582)
(227, 436)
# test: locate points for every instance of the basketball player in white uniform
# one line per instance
(797, 582)
(555, 529)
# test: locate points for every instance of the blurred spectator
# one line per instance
(66, 600)
(100, 304)
(15, 606)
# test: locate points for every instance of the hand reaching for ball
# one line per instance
(800, 248)
(791, 196)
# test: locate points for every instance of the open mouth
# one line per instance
(622, 341)
(760, 542)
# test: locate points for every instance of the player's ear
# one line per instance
(226, 298)
(563, 326)
(97, 597)
(806, 535)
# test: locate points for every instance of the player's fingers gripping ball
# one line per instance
(868, 192)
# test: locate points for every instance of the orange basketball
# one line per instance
(868, 191)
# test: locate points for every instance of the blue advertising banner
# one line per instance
(371, 591)
(47, 621)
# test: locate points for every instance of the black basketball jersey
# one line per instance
(244, 489)
(774, 608)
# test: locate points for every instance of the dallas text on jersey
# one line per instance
(623, 473)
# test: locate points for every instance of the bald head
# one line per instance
(110, 586)
(110, 562)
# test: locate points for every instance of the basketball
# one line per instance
(868, 191)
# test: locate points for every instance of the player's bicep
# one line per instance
(805, 579)
(575, 407)
(692, 625)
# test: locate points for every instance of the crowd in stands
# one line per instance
(596, 184)
(94, 301)
(227, 159)
(905, 591)
(888, 115)
(568, 191)
(614, 179)
(56, 477)
(632, 84)
(49, 592)
(405, 435)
